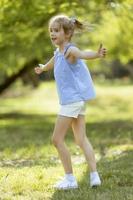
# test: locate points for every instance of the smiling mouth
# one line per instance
(53, 39)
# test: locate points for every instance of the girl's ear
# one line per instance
(69, 34)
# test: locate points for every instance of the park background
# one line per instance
(29, 163)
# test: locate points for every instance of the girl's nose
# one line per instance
(52, 34)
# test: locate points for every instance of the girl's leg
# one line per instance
(79, 130)
(60, 130)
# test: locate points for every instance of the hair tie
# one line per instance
(73, 19)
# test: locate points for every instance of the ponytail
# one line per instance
(81, 26)
(77, 24)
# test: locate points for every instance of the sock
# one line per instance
(70, 177)
(94, 174)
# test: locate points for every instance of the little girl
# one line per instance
(75, 88)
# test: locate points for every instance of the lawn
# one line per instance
(29, 163)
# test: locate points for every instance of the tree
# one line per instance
(115, 30)
(24, 36)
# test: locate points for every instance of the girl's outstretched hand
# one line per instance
(102, 51)
(38, 70)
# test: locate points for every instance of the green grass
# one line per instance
(29, 163)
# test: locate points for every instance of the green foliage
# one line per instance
(115, 31)
(24, 29)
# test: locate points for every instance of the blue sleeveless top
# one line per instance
(73, 81)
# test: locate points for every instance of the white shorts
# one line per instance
(73, 109)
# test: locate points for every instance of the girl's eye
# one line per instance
(56, 30)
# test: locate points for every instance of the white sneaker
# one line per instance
(95, 180)
(66, 184)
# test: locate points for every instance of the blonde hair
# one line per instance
(69, 25)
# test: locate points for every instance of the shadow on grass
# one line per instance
(117, 181)
(20, 131)
(23, 136)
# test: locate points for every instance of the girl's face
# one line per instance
(57, 34)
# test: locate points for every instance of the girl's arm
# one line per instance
(77, 53)
(49, 65)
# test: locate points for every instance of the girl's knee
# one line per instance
(81, 142)
(56, 141)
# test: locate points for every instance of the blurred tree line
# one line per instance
(25, 42)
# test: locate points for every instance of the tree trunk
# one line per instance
(118, 69)
(9, 80)
(129, 67)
